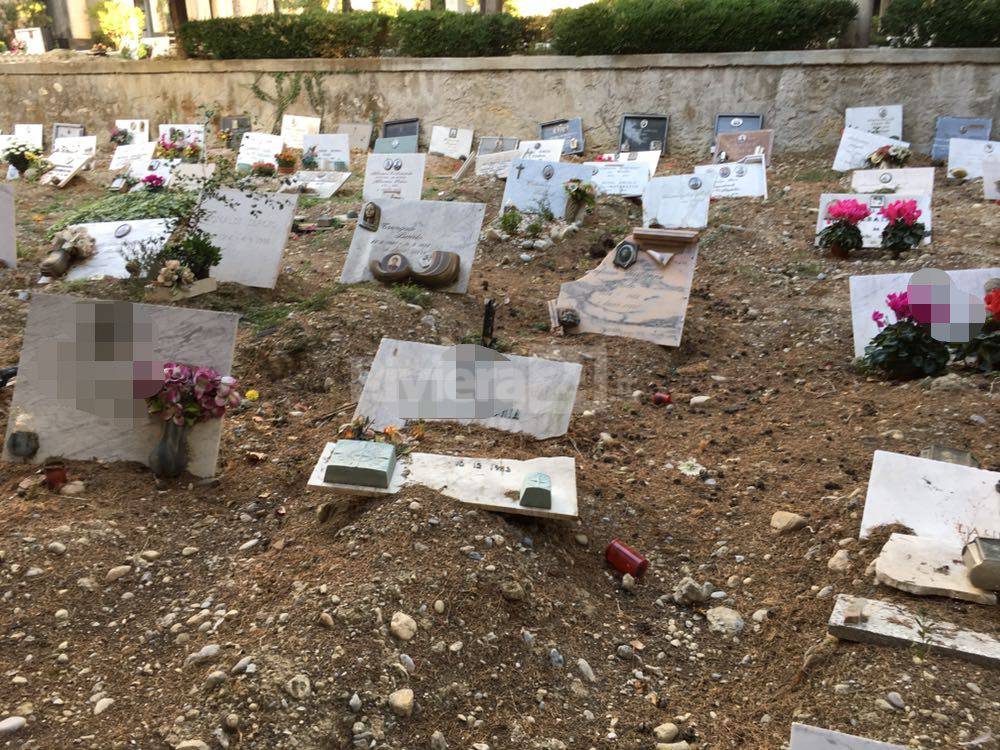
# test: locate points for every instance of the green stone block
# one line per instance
(361, 462)
(536, 492)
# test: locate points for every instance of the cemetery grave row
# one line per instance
(123, 381)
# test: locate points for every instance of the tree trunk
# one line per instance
(345, 6)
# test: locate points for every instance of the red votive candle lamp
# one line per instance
(55, 475)
(624, 559)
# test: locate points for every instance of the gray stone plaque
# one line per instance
(534, 185)
(571, 131)
(494, 144)
(66, 130)
(396, 145)
(643, 133)
(536, 492)
(946, 128)
(361, 462)
(236, 126)
(399, 128)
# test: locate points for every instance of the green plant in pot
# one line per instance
(904, 350)
(189, 395)
(841, 235)
(903, 232)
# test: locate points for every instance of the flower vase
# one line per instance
(286, 170)
(573, 208)
(838, 251)
(170, 456)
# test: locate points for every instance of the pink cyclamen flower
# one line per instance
(900, 305)
(901, 211)
(848, 210)
(879, 318)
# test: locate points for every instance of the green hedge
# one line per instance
(621, 27)
(942, 23)
(273, 36)
(412, 34)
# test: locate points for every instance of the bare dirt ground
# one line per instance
(790, 426)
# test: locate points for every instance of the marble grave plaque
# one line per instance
(394, 177)
(569, 130)
(873, 226)
(416, 229)
(494, 144)
(405, 144)
(650, 158)
(737, 123)
(257, 148)
(66, 130)
(295, 127)
(495, 164)
(186, 132)
(455, 143)
(87, 366)
(805, 737)
(359, 134)
(907, 180)
(966, 157)
(857, 145)
(29, 133)
(885, 120)
(534, 185)
(736, 179)
(739, 145)
(404, 128)
(138, 128)
(64, 168)
(678, 201)
(643, 133)
(115, 242)
(34, 40)
(551, 150)
(927, 567)
(626, 178)
(991, 179)
(321, 184)
(236, 126)
(332, 151)
(946, 128)
(132, 153)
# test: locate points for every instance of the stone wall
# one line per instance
(802, 94)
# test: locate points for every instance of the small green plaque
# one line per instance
(536, 492)
(361, 462)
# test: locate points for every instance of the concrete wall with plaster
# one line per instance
(802, 94)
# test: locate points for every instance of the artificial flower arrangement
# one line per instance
(191, 152)
(360, 428)
(904, 349)
(153, 183)
(121, 136)
(224, 136)
(888, 156)
(263, 169)
(168, 149)
(581, 195)
(903, 232)
(21, 156)
(18, 46)
(286, 159)
(309, 159)
(101, 50)
(842, 235)
(983, 350)
(173, 275)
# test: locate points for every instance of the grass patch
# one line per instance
(817, 175)
(413, 294)
(321, 300)
(263, 316)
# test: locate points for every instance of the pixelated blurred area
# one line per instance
(953, 315)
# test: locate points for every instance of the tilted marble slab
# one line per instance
(857, 145)
(926, 567)
(113, 252)
(80, 395)
(887, 624)
(805, 737)
(489, 483)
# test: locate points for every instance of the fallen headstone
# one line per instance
(569, 130)
(927, 567)
(537, 186)
(857, 145)
(678, 201)
(361, 462)
(331, 151)
(643, 133)
(805, 737)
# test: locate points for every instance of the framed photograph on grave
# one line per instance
(738, 123)
(643, 133)
(66, 130)
(571, 131)
(495, 144)
(401, 128)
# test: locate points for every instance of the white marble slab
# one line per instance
(868, 294)
(64, 168)
(359, 134)
(533, 185)
(113, 252)
(329, 149)
(805, 737)
(968, 155)
(678, 201)
(927, 567)
(412, 378)
(495, 164)
(8, 236)
(133, 153)
(455, 143)
(416, 229)
(191, 177)
(394, 177)
(319, 184)
(85, 145)
(627, 178)
(32, 134)
(82, 386)
(937, 499)
(138, 128)
(857, 145)
(33, 38)
(736, 179)
(295, 127)
(550, 150)
(908, 180)
(888, 624)
(187, 132)
(252, 231)
(873, 226)
(489, 483)
(650, 158)
(991, 179)
(886, 120)
(162, 168)
(258, 148)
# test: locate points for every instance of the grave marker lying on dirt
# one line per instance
(805, 737)
(927, 567)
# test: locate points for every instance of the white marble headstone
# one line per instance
(416, 229)
(678, 201)
(252, 231)
(496, 164)
(541, 392)
(550, 150)
(394, 177)
(138, 128)
(813, 738)
(295, 127)
(886, 120)
(650, 158)
(908, 180)
(320, 184)
(747, 179)
(133, 153)
(33, 38)
(29, 133)
(626, 178)
(257, 148)
(113, 252)
(455, 143)
(938, 499)
(534, 185)
(329, 150)
(8, 241)
(64, 168)
(86, 367)
(186, 132)
(83, 144)
(857, 145)
(991, 179)
(868, 294)
(967, 155)
(359, 134)
(873, 226)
